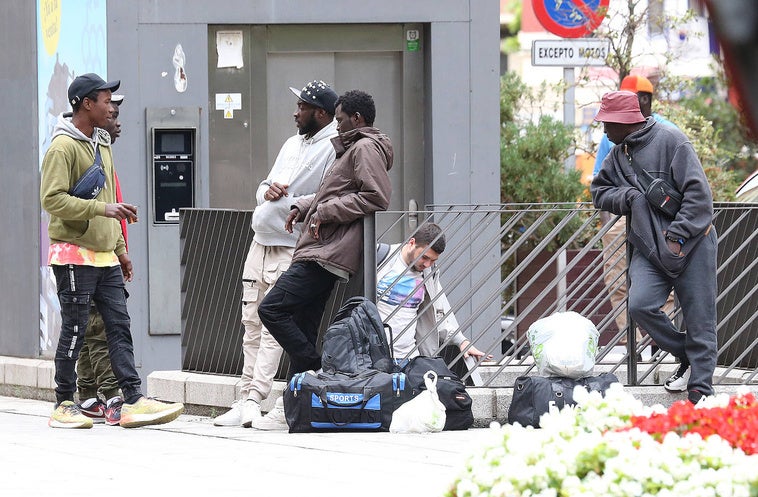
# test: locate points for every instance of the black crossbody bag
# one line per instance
(661, 195)
(90, 184)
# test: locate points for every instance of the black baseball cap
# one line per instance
(317, 93)
(87, 83)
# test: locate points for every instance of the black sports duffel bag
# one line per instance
(340, 402)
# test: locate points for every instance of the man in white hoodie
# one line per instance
(296, 174)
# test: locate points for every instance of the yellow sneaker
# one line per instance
(68, 415)
(149, 412)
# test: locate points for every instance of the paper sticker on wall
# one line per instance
(180, 77)
(228, 102)
(229, 49)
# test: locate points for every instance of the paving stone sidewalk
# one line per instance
(191, 457)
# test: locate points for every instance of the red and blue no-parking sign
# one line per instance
(570, 18)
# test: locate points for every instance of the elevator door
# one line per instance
(373, 58)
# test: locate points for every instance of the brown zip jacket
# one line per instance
(356, 185)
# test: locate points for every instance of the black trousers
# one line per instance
(77, 287)
(292, 312)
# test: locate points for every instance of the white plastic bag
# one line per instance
(564, 344)
(422, 414)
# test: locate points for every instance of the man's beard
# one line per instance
(309, 127)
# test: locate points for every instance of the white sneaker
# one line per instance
(233, 417)
(677, 382)
(274, 420)
(250, 410)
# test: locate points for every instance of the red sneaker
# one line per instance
(113, 411)
(94, 409)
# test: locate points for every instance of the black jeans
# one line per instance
(77, 286)
(292, 312)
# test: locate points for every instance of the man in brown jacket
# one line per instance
(331, 247)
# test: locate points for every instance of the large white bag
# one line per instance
(422, 414)
(564, 344)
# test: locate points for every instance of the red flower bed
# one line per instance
(737, 423)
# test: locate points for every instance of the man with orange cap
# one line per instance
(644, 90)
(614, 255)
(671, 248)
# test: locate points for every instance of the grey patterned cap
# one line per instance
(317, 93)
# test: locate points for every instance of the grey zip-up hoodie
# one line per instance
(666, 153)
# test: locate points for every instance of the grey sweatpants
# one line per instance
(696, 290)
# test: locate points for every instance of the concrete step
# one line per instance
(211, 395)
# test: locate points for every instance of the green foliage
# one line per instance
(736, 148)
(533, 150)
(532, 153)
(532, 159)
(510, 43)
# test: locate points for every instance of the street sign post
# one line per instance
(569, 19)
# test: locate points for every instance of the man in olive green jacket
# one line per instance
(88, 253)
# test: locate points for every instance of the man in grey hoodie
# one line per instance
(678, 252)
(331, 246)
(296, 175)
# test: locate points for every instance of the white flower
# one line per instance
(578, 453)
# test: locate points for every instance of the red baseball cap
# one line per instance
(636, 84)
(621, 107)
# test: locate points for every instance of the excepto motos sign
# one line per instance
(570, 52)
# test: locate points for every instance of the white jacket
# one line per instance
(429, 341)
(300, 164)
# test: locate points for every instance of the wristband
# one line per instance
(678, 240)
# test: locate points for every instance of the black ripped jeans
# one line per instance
(77, 287)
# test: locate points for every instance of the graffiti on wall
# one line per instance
(71, 40)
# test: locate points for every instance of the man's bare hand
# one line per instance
(473, 351)
(674, 247)
(126, 267)
(290, 222)
(314, 225)
(121, 211)
(275, 191)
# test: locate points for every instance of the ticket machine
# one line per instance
(172, 172)
(173, 168)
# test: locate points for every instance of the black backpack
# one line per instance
(356, 341)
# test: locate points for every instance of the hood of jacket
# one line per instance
(65, 126)
(344, 141)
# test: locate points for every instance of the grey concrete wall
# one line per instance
(462, 133)
(19, 192)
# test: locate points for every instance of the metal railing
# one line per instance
(505, 266)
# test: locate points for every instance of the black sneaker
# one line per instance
(677, 382)
(695, 397)
(94, 409)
